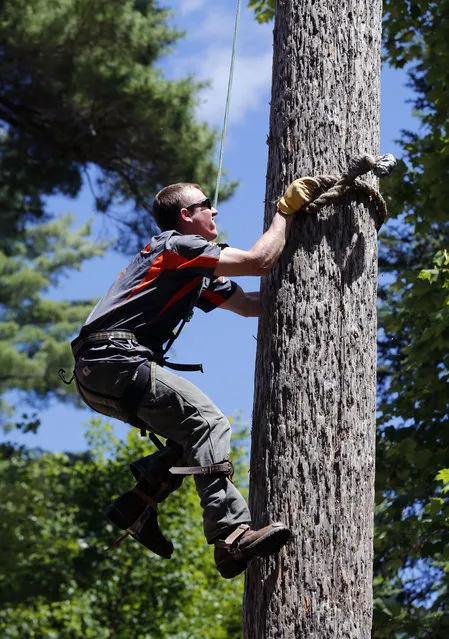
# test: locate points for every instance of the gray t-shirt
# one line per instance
(155, 291)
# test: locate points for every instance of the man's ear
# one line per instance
(185, 215)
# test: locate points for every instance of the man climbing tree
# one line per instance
(121, 369)
(313, 431)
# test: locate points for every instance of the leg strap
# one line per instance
(244, 543)
(136, 527)
(145, 498)
(225, 468)
(232, 538)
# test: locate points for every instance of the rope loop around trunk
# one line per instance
(333, 188)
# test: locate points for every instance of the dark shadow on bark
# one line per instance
(342, 231)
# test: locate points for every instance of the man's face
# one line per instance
(200, 214)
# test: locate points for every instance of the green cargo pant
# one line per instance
(175, 408)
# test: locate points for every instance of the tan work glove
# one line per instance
(299, 192)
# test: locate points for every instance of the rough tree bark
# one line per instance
(313, 437)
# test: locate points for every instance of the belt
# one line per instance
(80, 344)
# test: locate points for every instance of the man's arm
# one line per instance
(246, 304)
(261, 257)
(265, 252)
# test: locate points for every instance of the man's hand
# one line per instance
(299, 192)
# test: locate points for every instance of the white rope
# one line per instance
(228, 100)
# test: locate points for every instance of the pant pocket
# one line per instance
(109, 379)
(101, 385)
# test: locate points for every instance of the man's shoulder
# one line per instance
(183, 244)
(160, 242)
(165, 236)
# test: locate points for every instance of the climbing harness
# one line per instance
(336, 187)
(228, 101)
(138, 383)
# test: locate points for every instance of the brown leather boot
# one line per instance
(243, 544)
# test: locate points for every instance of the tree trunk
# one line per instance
(313, 437)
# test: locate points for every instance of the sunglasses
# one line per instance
(206, 203)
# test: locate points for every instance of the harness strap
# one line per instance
(117, 542)
(182, 367)
(144, 431)
(132, 398)
(135, 389)
(188, 316)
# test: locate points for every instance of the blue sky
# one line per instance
(223, 342)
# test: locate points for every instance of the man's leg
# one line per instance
(178, 410)
(175, 408)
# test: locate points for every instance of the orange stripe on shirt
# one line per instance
(170, 261)
(215, 298)
(180, 294)
(201, 260)
(167, 260)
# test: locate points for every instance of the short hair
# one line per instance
(168, 202)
